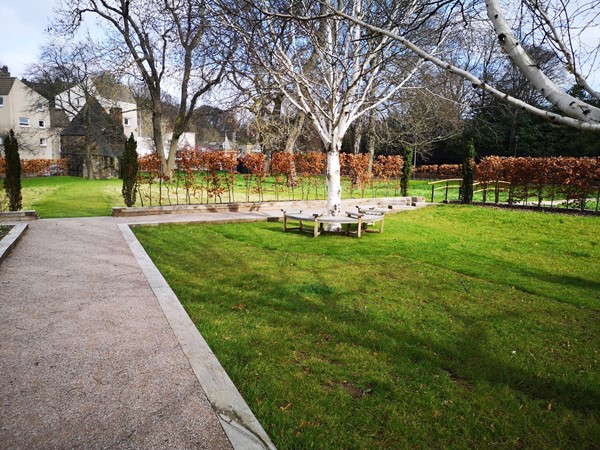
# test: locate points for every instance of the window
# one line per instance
(1, 102)
(126, 121)
(42, 124)
(24, 121)
(1, 140)
(109, 163)
(43, 142)
(40, 106)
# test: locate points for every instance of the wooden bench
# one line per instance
(318, 221)
(369, 219)
(362, 209)
(301, 218)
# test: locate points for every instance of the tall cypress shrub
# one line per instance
(406, 170)
(129, 166)
(12, 182)
(468, 174)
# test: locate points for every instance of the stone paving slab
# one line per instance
(10, 240)
(87, 358)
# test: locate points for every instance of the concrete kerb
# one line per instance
(11, 239)
(387, 202)
(239, 423)
(26, 215)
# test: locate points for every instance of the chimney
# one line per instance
(4, 73)
(117, 114)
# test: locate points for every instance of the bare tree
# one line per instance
(273, 121)
(276, 124)
(430, 112)
(172, 44)
(65, 75)
(556, 27)
(332, 70)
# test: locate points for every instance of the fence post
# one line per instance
(433, 191)
(496, 193)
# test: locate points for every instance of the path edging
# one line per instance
(10, 240)
(242, 428)
(261, 206)
(26, 215)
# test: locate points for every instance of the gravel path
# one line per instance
(87, 358)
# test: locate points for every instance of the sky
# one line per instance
(22, 32)
(23, 25)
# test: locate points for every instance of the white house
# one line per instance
(110, 95)
(146, 144)
(27, 113)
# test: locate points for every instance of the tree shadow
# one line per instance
(465, 357)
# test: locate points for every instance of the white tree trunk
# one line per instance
(334, 179)
(585, 121)
(566, 103)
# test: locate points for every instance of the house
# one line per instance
(109, 94)
(146, 144)
(28, 114)
(93, 142)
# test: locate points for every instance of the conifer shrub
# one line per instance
(468, 174)
(12, 181)
(130, 170)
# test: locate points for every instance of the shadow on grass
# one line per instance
(507, 272)
(465, 357)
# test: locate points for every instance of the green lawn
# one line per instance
(76, 197)
(272, 190)
(459, 327)
(54, 197)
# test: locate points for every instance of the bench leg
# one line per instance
(284, 223)
(316, 228)
(358, 230)
(381, 226)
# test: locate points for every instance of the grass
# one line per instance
(458, 327)
(54, 197)
(273, 191)
(4, 230)
(57, 197)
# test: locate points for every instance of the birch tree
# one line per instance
(173, 44)
(333, 70)
(556, 23)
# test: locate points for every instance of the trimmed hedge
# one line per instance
(38, 167)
